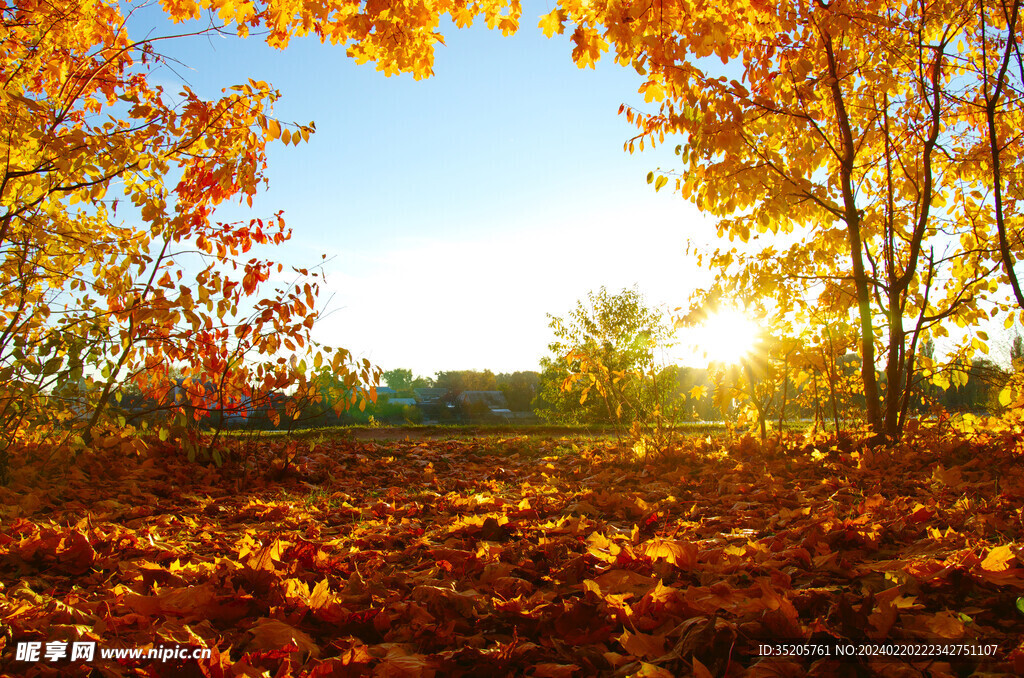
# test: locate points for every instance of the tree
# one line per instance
(457, 381)
(91, 299)
(585, 377)
(1017, 352)
(853, 133)
(107, 184)
(421, 382)
(1000, 89)
(398, 380)
(976, 389)
(520, 388)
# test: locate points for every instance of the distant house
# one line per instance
(402, 401)
(385, 391)
(425, 396)
(433, 403)
(484, 404)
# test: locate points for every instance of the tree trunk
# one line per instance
(894, 368)
(852, 217)
(991, 104)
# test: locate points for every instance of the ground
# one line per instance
(521, 555)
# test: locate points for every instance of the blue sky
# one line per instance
(458, 210)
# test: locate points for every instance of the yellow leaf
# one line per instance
(551, 23)
(321, 595)
(682, 554)
(1005, 396)
(652, 91)
(998, 559)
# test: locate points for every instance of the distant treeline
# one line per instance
(680, 394)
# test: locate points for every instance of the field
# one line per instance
(524, 555)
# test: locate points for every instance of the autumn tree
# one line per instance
(846, 141)
(90, 298)
(108, 182)
(994, 66)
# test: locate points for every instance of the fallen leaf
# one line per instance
(273, 634)
(998, 559)
(643, 645)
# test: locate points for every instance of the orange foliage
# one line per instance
(519, 557)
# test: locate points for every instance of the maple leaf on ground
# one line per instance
(355, 593)
(998, 559)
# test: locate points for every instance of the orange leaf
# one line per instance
(643, 645)
(273, 634)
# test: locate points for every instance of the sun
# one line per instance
(726, 336)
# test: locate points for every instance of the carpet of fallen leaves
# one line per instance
(519, 556)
